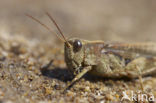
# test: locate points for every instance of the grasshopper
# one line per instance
(106, 59)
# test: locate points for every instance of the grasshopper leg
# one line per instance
(77, 77)
(146, 66)
(140, 78)
(141, 67)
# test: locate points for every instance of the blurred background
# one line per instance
(109, 20)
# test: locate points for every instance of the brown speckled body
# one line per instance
(112, 59)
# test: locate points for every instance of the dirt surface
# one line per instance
(26, 48)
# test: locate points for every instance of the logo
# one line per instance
(138, 97)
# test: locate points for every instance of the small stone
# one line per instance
(57, 87)
(30, 61)
(117, 96)
(102, 101)
(1, 94)
(48, 90)
(109, 97)
(69, 93)
(87, 89)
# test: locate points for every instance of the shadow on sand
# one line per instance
(63, 74)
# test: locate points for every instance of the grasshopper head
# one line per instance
(74, 54)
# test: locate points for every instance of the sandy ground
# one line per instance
(26, 47)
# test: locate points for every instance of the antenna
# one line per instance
(58, 28)
(45, 26)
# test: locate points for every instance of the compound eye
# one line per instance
(77, 45)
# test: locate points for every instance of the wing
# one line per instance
(127, 51)
(142, 49)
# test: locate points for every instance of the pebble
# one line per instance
(48, 90)
(109, 97)
(87, 89)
